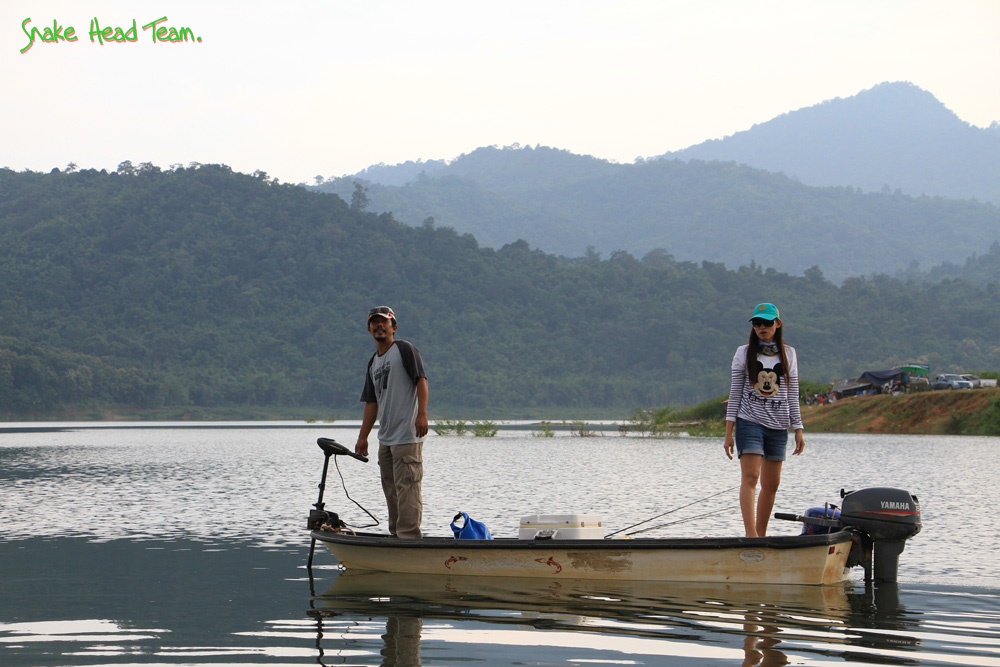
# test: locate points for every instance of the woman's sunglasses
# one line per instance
(757, 322)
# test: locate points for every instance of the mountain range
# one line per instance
(893, 136)
(886, 181)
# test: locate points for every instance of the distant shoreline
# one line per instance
(942, 412)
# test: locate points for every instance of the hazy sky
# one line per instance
(328, 87)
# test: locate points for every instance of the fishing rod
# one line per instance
(684, 520)
(676, 509)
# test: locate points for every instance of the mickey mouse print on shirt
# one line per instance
(766, 381)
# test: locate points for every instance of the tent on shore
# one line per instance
(879, 382)
(886, 381)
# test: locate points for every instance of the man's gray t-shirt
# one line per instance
(391, 382)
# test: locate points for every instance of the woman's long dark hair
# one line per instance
(754, 343)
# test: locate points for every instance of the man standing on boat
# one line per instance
(395, 395)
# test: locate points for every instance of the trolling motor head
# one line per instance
(334, 448)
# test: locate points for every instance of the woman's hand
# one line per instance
(730, 443)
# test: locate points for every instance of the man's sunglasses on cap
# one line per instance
(381, 311)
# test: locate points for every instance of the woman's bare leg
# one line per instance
(750, 465)
(770, 479)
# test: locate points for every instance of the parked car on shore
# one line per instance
(950, 381)
(976, 382)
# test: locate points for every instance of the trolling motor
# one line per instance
(319, 516)
(881, 520)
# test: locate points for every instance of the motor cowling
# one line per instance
(883, 518)
(882, 513)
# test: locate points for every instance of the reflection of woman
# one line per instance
(759, 645)
(763, 403)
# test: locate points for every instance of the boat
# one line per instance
(868, 530)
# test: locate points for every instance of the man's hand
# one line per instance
(361, 449)
(420, 423)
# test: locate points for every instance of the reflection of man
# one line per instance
(402, 641)
(395, 395)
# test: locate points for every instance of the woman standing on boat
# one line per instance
(763, 404)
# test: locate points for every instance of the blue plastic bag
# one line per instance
(470, 529)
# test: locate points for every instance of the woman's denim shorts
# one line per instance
(752, 438)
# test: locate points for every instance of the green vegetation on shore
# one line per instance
(963, 412)
(975, 412)
(203, 294)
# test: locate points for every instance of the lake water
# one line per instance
(180, 545)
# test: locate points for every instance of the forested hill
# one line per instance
(721, 212)
(202, 288)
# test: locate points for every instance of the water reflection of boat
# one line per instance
(389, 594)
(765, 620)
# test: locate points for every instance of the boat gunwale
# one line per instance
(603, 544)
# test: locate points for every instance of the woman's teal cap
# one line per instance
(765, 311)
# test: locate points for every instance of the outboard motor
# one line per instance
(880, 518)
(884, 518)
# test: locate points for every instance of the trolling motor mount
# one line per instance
(318, 516)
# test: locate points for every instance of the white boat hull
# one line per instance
(803, 560)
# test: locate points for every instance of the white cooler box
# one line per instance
(561, 527)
